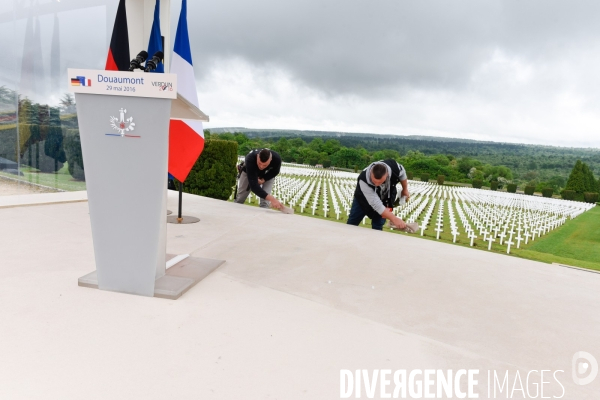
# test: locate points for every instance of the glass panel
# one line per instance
(39, 138)
(9, 156)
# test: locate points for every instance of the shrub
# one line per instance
(441, 179)
(530, 190)
(547, 192)
(477, 183)
(326, 163)
(590, 197)
(8, 142)
(511, 188)
(568, 194)
(425, 177)
(28, 135)
(72, 144)
(409, 175)
(53, 147)
(213, 174)
(494, 185)
(35, 156)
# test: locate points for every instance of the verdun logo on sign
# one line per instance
(122, 125)
(163, 85)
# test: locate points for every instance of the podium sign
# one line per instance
(124, 129)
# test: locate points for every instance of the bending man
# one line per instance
(258, 174)
(376, 194)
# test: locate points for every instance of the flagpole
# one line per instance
(179, 217)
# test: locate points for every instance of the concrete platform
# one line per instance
(298, 300)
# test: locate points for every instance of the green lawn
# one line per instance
(575, 243)
(60, 180)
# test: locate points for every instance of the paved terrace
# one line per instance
(297, 300)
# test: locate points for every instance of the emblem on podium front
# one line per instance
(122, 124)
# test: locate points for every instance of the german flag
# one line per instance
(81, 81)
(118, 53)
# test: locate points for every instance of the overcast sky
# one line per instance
(514, 71)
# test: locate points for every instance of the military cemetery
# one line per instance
(485, 219)
(299, 200)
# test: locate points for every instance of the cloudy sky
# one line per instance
(514, 71)
(511, 71)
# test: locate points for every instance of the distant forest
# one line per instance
(540, 166)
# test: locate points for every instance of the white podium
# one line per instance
(124, 129)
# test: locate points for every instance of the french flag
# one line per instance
(186, 137)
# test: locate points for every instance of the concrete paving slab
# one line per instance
(38, 199)
(298, 300)
(12, 186)
(178, 279)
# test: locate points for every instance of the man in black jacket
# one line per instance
(258, 174)
(376, 194)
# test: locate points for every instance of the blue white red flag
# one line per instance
(186, 137)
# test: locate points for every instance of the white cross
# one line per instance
(508, 243)
(438, 230)
(472, 236)
(490, 239)
(518, 239)
(526, 236)
(502, 236)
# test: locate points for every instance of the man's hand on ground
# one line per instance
(276, 204)
(397, 223)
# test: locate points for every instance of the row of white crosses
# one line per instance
(332, 187)
(439, 225)
(507, 219)
(453, 226)
(498, 216)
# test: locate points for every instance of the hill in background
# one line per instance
(528, 162)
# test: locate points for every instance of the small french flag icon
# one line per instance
(84, 82)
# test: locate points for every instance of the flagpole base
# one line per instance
(173, 219)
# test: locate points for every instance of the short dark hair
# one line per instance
(379, 171)
(264, 155)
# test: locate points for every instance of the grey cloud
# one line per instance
(362, 47)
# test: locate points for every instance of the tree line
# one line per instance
(331, 153)
(540, 167)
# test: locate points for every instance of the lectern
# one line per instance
(124, 129)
